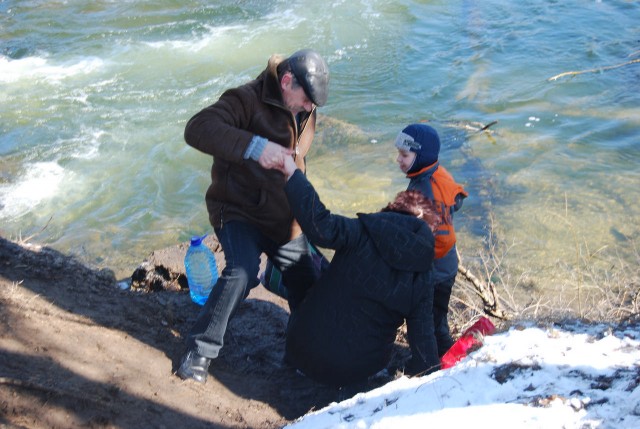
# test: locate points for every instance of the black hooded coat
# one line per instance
(379, 277)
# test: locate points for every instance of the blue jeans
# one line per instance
(243, 244)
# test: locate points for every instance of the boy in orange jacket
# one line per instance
(418, 149)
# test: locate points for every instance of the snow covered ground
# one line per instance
(570, 376)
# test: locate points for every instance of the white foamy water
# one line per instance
(12, 71)
(40, 182)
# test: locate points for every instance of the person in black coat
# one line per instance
(380, 276)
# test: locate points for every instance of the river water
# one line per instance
(95, 95)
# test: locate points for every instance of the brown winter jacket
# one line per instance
(240, 188)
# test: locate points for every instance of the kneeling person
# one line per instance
(380, 276)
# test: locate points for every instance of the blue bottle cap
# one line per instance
(196, 241)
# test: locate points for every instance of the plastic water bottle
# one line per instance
(470, 338)
(201, 268)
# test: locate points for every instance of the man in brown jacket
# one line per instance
(249, 131)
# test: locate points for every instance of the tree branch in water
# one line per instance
(600, 69)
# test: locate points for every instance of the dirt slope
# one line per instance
(77, 351)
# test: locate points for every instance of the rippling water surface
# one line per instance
(95, 95)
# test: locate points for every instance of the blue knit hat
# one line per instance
(424, 141)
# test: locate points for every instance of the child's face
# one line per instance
(405, 159)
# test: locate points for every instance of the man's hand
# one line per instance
(274, 155)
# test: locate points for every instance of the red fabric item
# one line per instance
(470, 338)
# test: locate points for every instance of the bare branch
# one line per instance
(597, 70)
